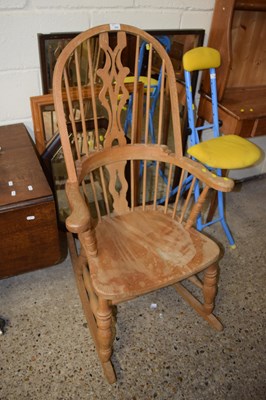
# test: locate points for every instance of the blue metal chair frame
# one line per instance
(194, 139)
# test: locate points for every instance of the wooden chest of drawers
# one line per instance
(28, 225)
(238, 31)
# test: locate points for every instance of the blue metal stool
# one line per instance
(220, 152)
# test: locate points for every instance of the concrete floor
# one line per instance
(163, 353)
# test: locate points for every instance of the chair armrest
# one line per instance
(79, 220)
(223, 184)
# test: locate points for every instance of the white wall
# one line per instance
(21, 20)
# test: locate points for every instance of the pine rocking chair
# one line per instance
(123, 244)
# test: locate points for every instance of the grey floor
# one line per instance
(163, 353)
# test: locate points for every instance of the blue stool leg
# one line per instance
(223, 221)
(221, 217)
(200, 225)
(128, 115)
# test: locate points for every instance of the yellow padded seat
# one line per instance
(226, 152)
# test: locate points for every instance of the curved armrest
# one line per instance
(222, 184)
(159, 153)
(79, 220)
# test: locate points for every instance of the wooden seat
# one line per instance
(122, 243)
(152, 249)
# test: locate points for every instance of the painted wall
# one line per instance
(22, 20)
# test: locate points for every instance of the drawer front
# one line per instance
(29, 239)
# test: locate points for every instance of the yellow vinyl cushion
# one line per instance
(226, 152)
(201, 58)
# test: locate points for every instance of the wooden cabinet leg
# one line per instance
(210, 287)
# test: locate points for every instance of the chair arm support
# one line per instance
(222, 184)
(79, 220)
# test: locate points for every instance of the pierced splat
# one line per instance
(113, 97)
(114, 94)
(118, 186)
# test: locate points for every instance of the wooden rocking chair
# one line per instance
(122, 243)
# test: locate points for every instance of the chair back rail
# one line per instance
(106, 89)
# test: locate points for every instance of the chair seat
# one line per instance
(144, 250)
(226, 152)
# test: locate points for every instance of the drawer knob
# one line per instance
(30, 217)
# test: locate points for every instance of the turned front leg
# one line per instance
(210, 287)
(104, 331)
